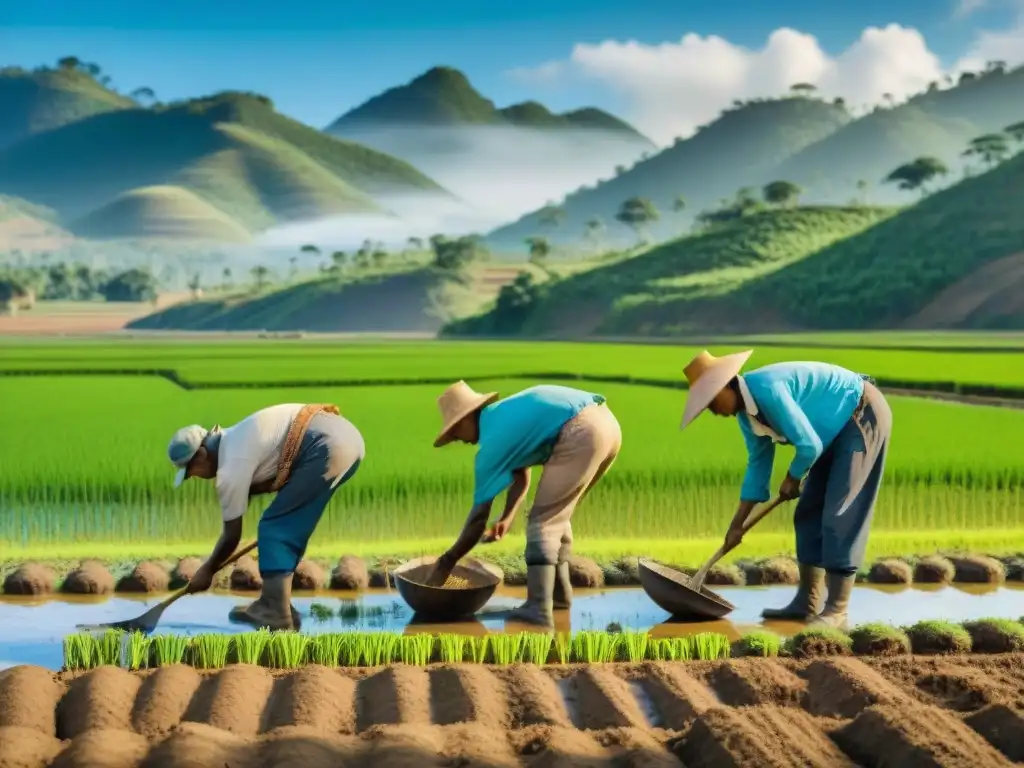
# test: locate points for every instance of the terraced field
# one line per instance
(947, 711)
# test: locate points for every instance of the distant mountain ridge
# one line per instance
(443, 96)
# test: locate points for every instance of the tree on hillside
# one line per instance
(338, 259)
(416, 243)
(379, 256)
(1015, 131)
(225, 278)
(782, 193)
(803, 89)
(593, 231)
(260, 274)
(69, 62)
(514, 303)
(453, 254)
(679, 204)
(144, 94)
(130, 285)
(918, 174)
(551, 216)
(862, 191)
(992, 148)
(293, 267)
(636, 213)
(309, 248)
(540, 249)
(195, 286)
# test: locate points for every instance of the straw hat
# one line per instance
(708, 375)
(456, 403)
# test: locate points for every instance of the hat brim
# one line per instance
(713, 381)
(445, 435)
(180, 477)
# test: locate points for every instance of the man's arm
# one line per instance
(516, 493)
(230, 536)
(472, 531)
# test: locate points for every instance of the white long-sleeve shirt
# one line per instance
(249, 453)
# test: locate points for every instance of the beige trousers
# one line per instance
(586, 447)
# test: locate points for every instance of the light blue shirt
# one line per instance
(806, 404)
(520, 431)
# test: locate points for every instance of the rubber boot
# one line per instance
(808, 600)
(540, 589)
(563, 587)
(840, 585)
(273, 610)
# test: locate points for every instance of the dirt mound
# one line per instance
(30, 579)
(677, 697)
(194, 744)
(585, 573)
(91, 577)
(26, 747)
(350, 573)
(776, 570)
(747, 682)
(392, 696)
(163, 698)
(845, 687)
(318, 698)
(308, 577)
(978, 569)
(598, 698)
(915, 735)
(1002, 727)
(233, 699)
(533, 696)
(934, 569)
(468, 694)
(104, 749)
(307, 747)
(245, 576)
(28, 699)
(146, 576)
(100, 699)
(184, 570)
(963, 688)
(551, 746)
(757, 737)
(891, 571)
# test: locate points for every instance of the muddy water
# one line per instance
(33, 628)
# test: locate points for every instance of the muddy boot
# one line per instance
(273, 610)
(808, 600)
(563, 587)
(840, 585)
(540, 588)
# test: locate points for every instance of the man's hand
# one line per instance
(790, 488)
(442, 570)
(201, 581)
(497, 533)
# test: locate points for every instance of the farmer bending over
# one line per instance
(839, 423)
(304, 453)
(572, 434)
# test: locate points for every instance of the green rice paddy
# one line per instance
(86, 471)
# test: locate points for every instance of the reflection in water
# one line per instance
(33, 628)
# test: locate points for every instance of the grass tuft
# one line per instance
(995, 635)
(819, 641)
(879, 640)
(939, 637)
(758, 643)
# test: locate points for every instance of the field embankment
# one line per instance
(745, 713)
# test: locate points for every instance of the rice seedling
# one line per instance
(79, 651)
(169, 649)
(287, 650)
(139, 647)
(591, 647)
(249, 646)
(108, 648)
(209, 651)
(325, 650)
(563, 647)
(710, 645)
(506, 649)
(352, 649)
(452, 647)
(635, 645)
(378, 648)
(537, 647)
(416, 649)
(478, 647)
(758, 643)
(320, 613)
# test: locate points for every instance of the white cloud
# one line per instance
(965, 8)
(674, 87)
(996, 45)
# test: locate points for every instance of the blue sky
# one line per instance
(318, 59)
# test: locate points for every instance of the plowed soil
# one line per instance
(751, 713)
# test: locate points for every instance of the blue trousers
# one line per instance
(827, 536)
(288, 523)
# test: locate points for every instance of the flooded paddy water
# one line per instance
(35, 627)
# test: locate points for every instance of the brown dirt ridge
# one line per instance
(744, 714)
(93, 577)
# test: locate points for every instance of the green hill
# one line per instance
(637, 295)
(36, 101)
(443, 96)
(160, 212)
(938, 123)
(741, 148)
(232, 150)
(418, 299)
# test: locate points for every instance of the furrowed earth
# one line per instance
(950, 711)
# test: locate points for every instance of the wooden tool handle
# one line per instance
(239, 554)
(752, 519)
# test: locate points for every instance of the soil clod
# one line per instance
(147, 577)
(30, 579)
(350, 574)
(91, 577)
